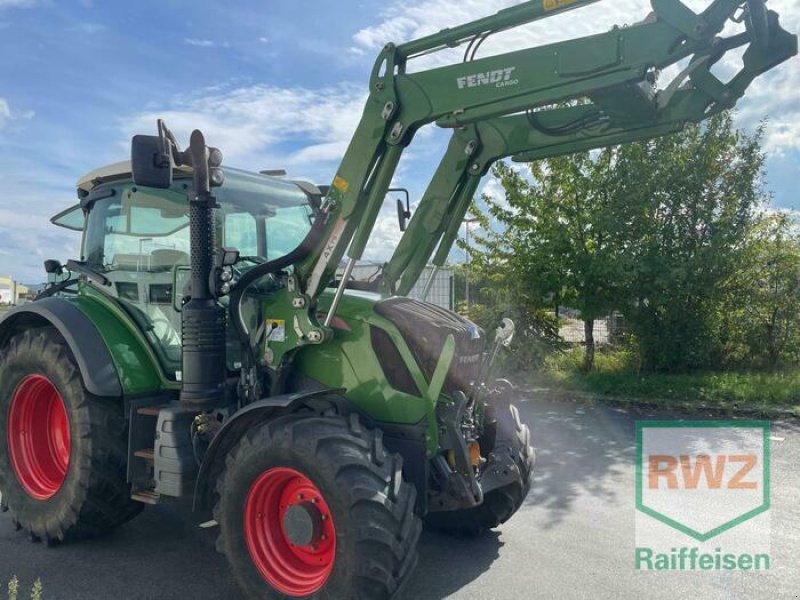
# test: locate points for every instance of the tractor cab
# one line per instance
(137, 240)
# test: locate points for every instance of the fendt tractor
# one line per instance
(203, 347)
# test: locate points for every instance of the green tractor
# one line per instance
(203, 347)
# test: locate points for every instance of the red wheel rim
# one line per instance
(38, 437)
(295, 567)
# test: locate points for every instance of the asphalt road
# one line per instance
(574, 538)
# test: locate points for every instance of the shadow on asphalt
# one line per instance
(582, 448)
(578, 448)
(447, 564)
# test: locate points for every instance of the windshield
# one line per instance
(147, 230)
(137, 231)
(266, 236)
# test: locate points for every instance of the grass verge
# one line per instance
(763, 394)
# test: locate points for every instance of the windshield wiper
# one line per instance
(84, 269)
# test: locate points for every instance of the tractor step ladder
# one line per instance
(147, 497)
(146, 454)
(162, 456)
(143, 456)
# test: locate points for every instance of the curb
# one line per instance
(634, 403)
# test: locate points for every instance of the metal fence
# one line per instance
(442, 288)
(442, 292)
(608, 330)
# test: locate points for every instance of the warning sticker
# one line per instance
(341, 184)
(325, 259)
(276, 330)
(554, 4)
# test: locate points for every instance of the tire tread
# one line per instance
(379, 499)
(101, 499)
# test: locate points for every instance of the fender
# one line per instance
(90, 351)
(241, 422)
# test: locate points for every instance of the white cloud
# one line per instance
(403, 22)
(5, 112)
(7, 115)
(385, 236)
(307, 130)
(26, 236)
(16, 3)
(493, 189)
(775, 96)
(255, 125)
(205, 43)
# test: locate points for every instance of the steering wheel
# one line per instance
(164, 330)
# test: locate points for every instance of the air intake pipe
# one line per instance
(203, 319)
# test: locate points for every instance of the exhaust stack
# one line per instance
(203, 318)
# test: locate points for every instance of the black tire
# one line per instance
(371, 506)
(501, 504)
(94, 496)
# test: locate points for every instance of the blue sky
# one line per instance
(275, 84)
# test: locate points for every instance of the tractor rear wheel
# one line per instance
(63, 459)
(500, 504)
(315, 507)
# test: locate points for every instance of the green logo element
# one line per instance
(702, 536)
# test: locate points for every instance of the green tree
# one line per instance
(557, 244)
(763, 316)
(494, 296)
(659, 230)
(689, 204)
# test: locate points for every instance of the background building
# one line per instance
(12, 292)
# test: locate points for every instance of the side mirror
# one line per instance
(403, 214)
(151, 166)
(53, 267)
(403, 211)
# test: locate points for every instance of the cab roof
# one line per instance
(113, 172)
(252, 191)
(121, 171)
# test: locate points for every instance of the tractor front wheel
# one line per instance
(63, 458)
(315, 507)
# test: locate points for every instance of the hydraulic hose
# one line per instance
(303, 250)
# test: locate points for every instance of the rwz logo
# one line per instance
(702, 478)
(689, 471)
(499, 78)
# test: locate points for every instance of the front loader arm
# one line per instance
(436, 223)
(611, 118)
(613, 65)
